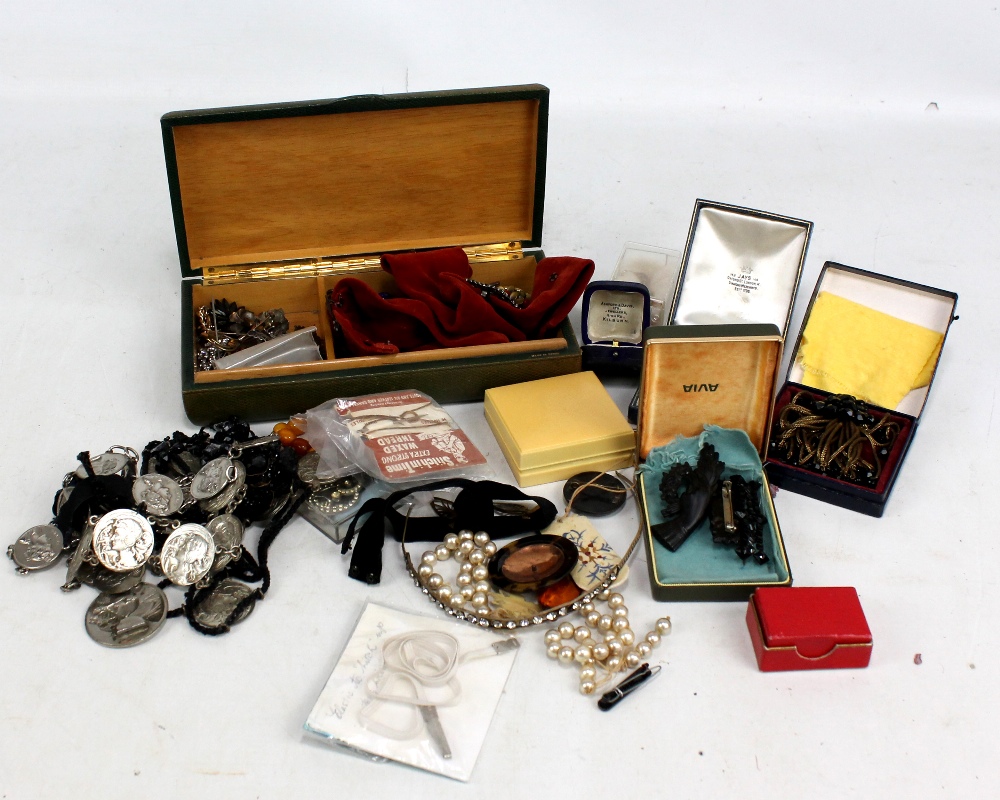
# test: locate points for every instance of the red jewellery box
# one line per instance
(821, 627)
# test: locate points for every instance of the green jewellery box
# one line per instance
(274, 204)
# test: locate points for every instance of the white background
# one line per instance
(878, 121)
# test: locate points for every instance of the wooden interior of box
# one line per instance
(304, 302)
(677, 397)
(355, 183)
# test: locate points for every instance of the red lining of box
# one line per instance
(888, 467)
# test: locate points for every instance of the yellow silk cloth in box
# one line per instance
(848, 348)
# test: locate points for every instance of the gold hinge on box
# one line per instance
(241, 273)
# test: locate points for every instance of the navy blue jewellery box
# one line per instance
(615, 313)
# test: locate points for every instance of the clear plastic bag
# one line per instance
(397, 437)
(414, 689)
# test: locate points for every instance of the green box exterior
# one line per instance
(447, 381)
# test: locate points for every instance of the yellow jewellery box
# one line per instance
(697, 375)
(553, 428)
(273, 205)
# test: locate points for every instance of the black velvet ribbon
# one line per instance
(95, 494)
(474, 510)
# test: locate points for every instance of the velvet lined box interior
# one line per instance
(304, 303)
(701, 569)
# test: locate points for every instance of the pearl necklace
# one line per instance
(605, 644)
(473, 599)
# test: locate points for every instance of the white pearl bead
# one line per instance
(604, 594)
(424, 571)
(465, 536)
(583, 654)
(479, 572)
(588, 674)
(477, 557)
(615, 600)
(467, 592)
(653, 638)
(566, 655)
(442, 553)
(466, 546)
(613, 663)
(435, 581)
(632, 660)
(451, 541)
(618, 624)
(552, 651)
(566, 629)
(601, 651)
(609, 635)
(581, 634)
(444, 593)
(586, 608)
(479, 599)
(483, 586)
(627, 637)
(457, 600)
(481, 538)
(428, 558)
(664, 626)
(621, 611)
(592, 618)
(604, 623)
(552, 636)
(643, 649)
(466, 567)
(490, 549)
(463, 579)
(587, 687)
(615, 647)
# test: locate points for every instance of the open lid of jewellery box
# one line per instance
(274, 204)
(884, 337)
(697, 375)
(739, 266)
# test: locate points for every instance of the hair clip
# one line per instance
(610, 699)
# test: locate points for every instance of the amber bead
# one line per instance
(563, 591)
(294, 428)
(287, 435)
(279, 427)
(301, 446)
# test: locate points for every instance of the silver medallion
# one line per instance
(212, 478)
(227, 533)
(105, 464)
(123, 540)
(37, 548)
(126, 619)
(307, 469)
(104, 580)
(61, 499)
(187, 555)
(84, 548)
(160, 495)
(227, 495)
(215, 609)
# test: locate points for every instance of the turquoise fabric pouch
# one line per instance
(701, 569)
